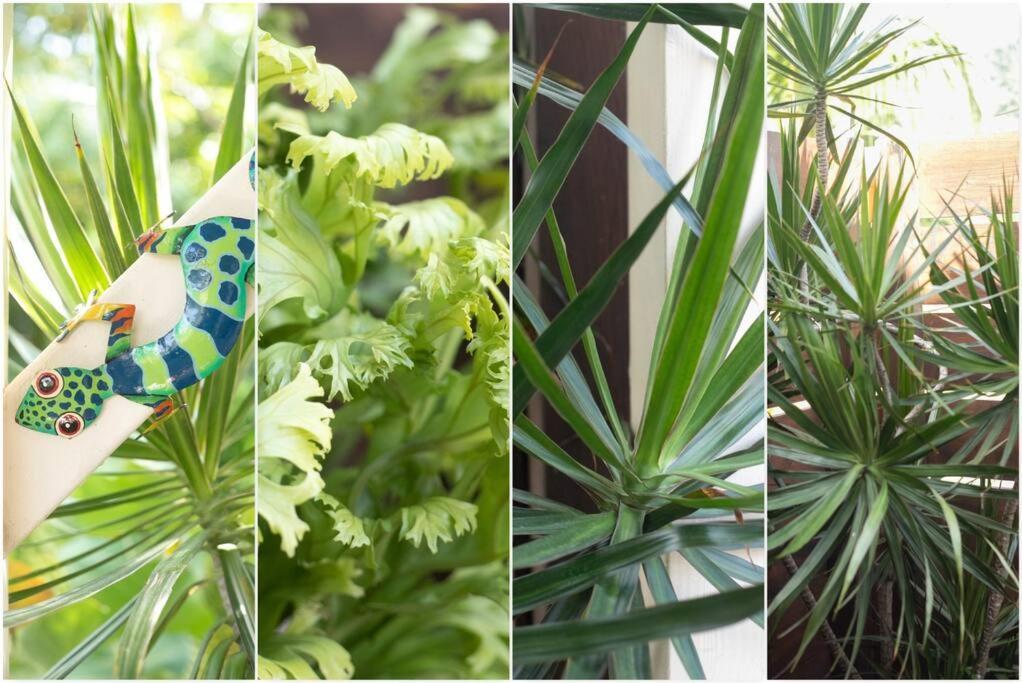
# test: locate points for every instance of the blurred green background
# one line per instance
(195, 52)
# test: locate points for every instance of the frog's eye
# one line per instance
(69, 424)
(48, 384)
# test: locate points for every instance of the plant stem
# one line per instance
(822, 162)
(996, 598)
(829, 637)
(885, 596)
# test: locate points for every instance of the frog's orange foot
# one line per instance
(151, 238)
(162, 412)
(148, 240)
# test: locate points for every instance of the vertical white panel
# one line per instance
(647, 107)
(670, 82)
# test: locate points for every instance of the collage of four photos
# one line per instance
(493, 341)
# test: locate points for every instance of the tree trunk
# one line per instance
(886, 609)
(822, 163)
(996, 599)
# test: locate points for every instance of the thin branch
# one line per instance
(829, 636)
(996, 598)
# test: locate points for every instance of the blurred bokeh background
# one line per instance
(195, 48)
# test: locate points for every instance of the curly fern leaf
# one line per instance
(437, 519)
(476, 140)
(294, 433)
(427, 227)
(288, 656)
(295, 261)
(350, 529)
(428, 40)
(393, 155)
(320, 83)
(354, 350)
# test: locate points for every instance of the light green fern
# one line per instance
(388, 318)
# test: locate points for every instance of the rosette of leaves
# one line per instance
(823, 60)
(580, 602)
(384, 386)
(146, 570)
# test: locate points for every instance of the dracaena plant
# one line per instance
(384, 364)
(664, 489)
(153, 552)
(822, 61)
(892, 509)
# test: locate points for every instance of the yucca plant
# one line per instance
(820, 54)
(384, 359)
(892, 510)
(665, 488)
(894, 538)
(147, 568)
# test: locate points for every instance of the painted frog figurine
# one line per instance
(217, 257)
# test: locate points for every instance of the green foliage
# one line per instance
(384, 369)
(666, 489)
(820, 53)
(892, 421)
(124, 579)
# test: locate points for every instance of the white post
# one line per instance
(670, 81)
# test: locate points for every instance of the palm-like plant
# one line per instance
(666, 489)
(820, 54)
(864, 471)
(167, 523)
(891, 498)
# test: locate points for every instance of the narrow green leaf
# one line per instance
(23, 615)
(522, 110)
(110, 247)
(807, 527)
(546, 182)
(534, 441)
(558, 339)
(234, 125)
(45, 317)
(69, 662)
(715, 14)
(579, 573)
(134, 643)
(867, 536)
(701, 289)
(558, 641)
(662, 590)
(139, 133)
(585, 531)
(119, 171)
(86, 268)
(25, 200)
(538, 373)
(241, 596)
(613, 595)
